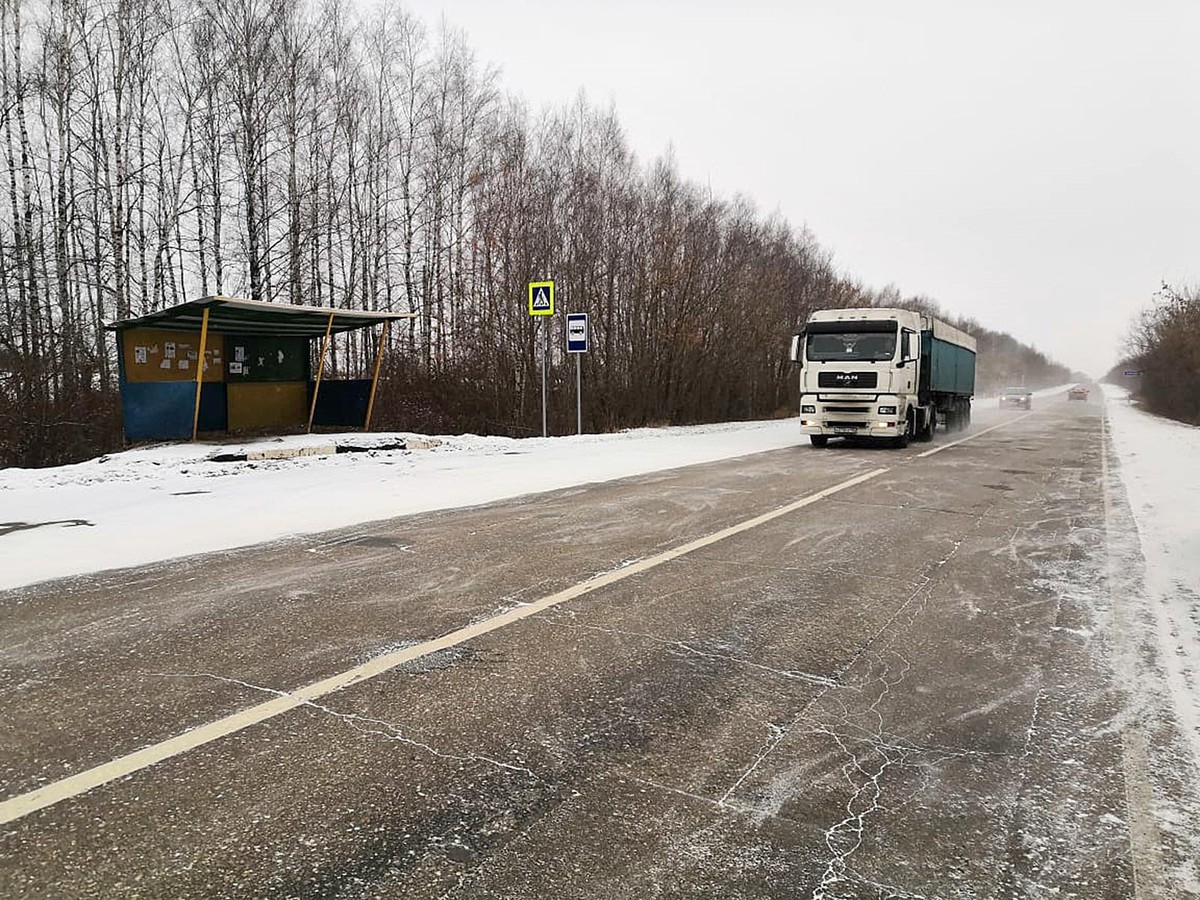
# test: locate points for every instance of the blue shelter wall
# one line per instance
(159, 411)
(341, 402)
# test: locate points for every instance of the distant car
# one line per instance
(1020, 397)
(1079, 392)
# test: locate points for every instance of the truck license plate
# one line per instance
(843, 429)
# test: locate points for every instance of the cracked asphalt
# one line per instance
(910, 688)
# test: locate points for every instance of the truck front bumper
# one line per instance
(882, 428)
(852, 417)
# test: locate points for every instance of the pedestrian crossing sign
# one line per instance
(541, 298)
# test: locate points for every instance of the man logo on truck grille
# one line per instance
(846, 379)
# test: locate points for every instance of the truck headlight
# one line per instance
(808, 410)
(887, 410)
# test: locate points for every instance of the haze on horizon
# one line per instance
(1029, 166)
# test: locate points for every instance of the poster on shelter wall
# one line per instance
(235, 368)
(151, 355)
(239, 354)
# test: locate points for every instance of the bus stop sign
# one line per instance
(577, 333)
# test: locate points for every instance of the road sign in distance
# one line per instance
(541, 298)
(577, 333)
(1132, 373)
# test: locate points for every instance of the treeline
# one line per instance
(1165, 340)
(155, 151)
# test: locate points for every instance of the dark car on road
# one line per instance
(1021, 398)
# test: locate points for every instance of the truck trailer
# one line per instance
(890, 374)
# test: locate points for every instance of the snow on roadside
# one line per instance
(156, 503)
(1162, 480)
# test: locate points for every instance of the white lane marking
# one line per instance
(24, 804)
(971, 437)
(1144, 838)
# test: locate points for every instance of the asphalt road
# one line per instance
(909, 687)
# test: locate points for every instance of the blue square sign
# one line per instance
(577, 333)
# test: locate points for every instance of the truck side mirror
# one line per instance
(797, 355)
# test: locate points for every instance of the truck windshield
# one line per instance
(873, 341)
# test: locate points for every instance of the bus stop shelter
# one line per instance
(229, 364)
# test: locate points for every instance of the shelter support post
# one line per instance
(375, 378)
(312, 410)
(200, 372)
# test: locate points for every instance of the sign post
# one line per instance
(541, 303)
(577, 343)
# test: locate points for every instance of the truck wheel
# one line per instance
(819, 440)
(951, 420)
(902, 441)
(929, 427)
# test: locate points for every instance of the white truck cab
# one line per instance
(882, 373)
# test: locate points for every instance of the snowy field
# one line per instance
(1157, 461)
(1159, 467)
(156, 503)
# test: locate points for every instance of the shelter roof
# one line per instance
(234, 315)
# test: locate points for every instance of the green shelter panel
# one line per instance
(252, 358)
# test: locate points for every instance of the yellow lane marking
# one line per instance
(24, 804)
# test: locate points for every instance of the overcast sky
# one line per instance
(1033, 165)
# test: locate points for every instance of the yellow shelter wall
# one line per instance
(152, 354)
(267, 404)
